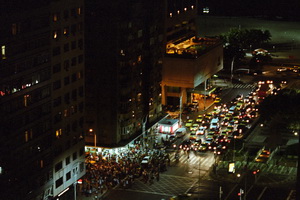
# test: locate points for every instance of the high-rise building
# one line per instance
(41, 97)
(124, 48)
(191, 59)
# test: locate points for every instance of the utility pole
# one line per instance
(220, 193)
(180, 110)
(231, 76)
(204, 94)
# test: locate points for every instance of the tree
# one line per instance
(243, 38)
(286, 105)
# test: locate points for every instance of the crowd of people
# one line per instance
(105, 170)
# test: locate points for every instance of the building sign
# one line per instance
(231, 167)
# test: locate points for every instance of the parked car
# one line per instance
(180, 132)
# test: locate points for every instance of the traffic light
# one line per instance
(241, 192)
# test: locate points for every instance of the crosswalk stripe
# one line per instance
(243, 85)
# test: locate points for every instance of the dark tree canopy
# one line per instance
(243, 38)
(286, 105)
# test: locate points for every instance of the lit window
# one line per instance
(26, 99)
(79, 75)
(66, 112)
(54, 34)
(66, 31)
(55, 17)
(3, 53)
(58, 133)
(140, 58)
(14, 29)
(28, 135)
(41, 163)
(79, 11)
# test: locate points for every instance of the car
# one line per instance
(281, 69)
(212, 146)
(194, 127)
(201, 130)
(185, 145)
(180, 132)
(217, 100)
(195, 146)
(145, 161)
(202, 147)
(219, 150)
(193, 135)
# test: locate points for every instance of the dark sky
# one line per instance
(288, 9)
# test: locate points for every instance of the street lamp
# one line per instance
(144, 121)
(95, 136)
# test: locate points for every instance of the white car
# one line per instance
(201, 130)
(282, 69)
(146, 160)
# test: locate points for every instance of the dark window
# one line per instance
(59, 182)
(56, 85)
(66, 65)
(67, 80)
(73, 61)
(74, 95)
(80, 106)
(67, 98)
(56, 68)
(68, 175)
(56, 51)
(81, 167)
(80, 91)
(68, 144)
(81, 120)
(74, 126)
(74, 77)
(74, 156)
(80, 58)
(57, 118)
(67, 160)
(66, 47)
(57, 101)
(80, 44)
(73, 29)
(74, 44)
(73, 12)
(66, 14)
(81, 151)
(58, 166)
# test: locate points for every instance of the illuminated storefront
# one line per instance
(168, 125)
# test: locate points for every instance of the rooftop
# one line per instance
(191, 47)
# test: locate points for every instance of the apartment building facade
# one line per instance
(124, 49)
(41, 98)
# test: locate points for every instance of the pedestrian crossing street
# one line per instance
(243, 85)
